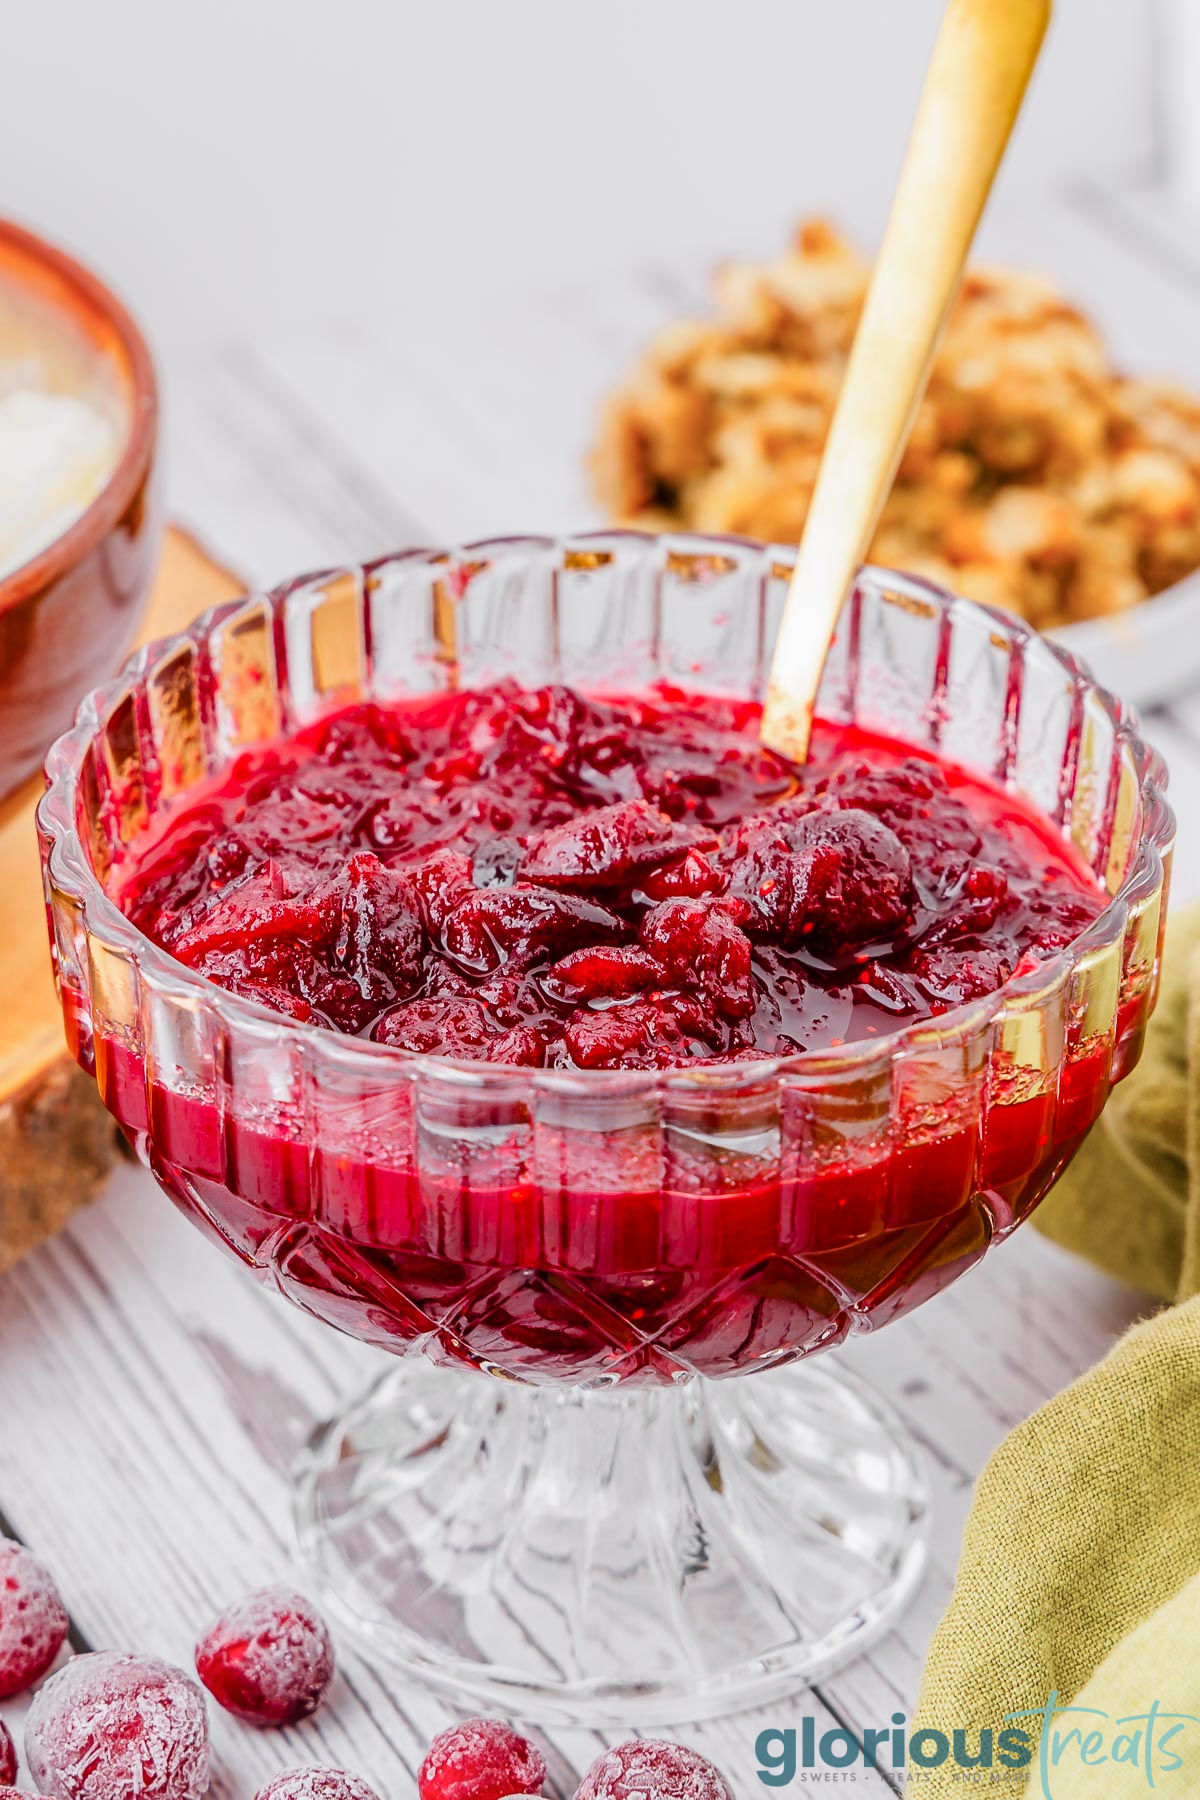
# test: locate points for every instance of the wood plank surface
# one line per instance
(56, 1140)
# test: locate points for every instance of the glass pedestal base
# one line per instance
(615, 1557)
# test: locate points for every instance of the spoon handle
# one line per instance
(981, 64)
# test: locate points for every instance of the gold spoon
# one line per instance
(981, 64)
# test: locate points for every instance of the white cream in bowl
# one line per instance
(64, 420)
(57, 450)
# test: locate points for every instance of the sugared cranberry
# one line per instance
(482, 1759)
(652, 1769)
(316, 1784)
(112, 1726)
(267, 1658)
(8, 1758)
(12, 1793)
(33, 1619)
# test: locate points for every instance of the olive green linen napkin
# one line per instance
(1161, 1650)
(1080, 1568)
(1085, 1528)
(1130, 1200)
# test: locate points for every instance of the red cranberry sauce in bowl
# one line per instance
(545, 1021)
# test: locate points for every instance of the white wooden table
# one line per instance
(151, 1397)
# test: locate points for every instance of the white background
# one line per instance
(254, 166)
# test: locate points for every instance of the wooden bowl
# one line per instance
(68, 616)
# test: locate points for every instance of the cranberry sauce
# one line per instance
(541, 878)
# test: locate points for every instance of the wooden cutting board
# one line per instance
(56, 1140)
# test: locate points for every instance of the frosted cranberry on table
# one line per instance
(8, 1758)
(316, 1784)
(267, 1658)
(33, 1619)
(481, 1759)
(653, 1769)
(117, 1726)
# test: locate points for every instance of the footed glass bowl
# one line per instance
(558, 1509)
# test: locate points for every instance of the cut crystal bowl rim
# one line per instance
(67, 861)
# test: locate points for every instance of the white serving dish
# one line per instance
(1149, 654)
